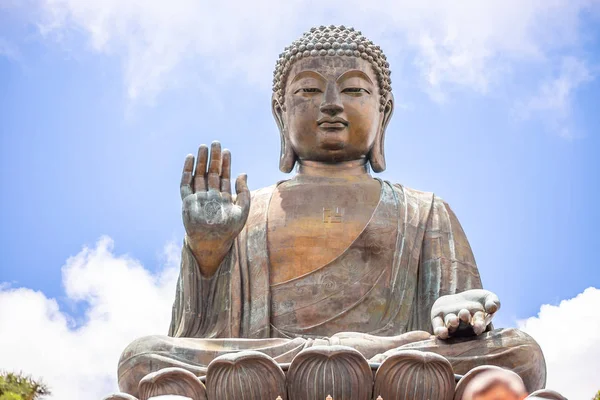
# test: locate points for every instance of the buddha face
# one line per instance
(332, 109)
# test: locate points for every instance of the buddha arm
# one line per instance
(199, 300)
(447, 265)
(209, 254)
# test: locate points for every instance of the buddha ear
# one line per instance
(377, 154)
(287, 157)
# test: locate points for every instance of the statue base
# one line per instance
(321, 372)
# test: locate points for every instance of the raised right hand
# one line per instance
(211, 219)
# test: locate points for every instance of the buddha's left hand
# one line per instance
(468, 311)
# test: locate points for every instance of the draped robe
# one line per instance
(412, 251)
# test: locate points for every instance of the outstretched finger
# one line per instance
(464, 315)
(185, 187)
(200, 173)
(243, 194)
(226, 173)
(478, 322)
(439, 328)
(451, 321)
(214, 166)
(492, 303)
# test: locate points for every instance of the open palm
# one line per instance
(211, 217)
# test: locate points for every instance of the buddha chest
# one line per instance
(310, 223)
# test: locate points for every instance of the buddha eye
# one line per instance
(355, 90)
(308, 90)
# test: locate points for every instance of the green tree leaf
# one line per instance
(15, 386)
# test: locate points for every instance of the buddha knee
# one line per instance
(514, 337)
(526, 357)
(515, 341)
(145, 344)
(137, 361)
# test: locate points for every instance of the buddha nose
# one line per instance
(332, 102)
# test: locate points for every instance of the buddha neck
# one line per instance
(355, 170)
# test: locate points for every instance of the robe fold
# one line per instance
(412, 251)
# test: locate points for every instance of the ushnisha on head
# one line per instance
(333, 41)
(332, 73)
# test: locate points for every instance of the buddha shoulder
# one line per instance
(415, 199)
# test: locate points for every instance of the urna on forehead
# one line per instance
(332, 41)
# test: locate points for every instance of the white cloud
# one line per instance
(79, 361)
(568, 335)
(468, 44)
(554, 98)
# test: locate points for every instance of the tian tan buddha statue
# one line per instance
(333, 256)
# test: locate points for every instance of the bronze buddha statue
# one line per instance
(332, 256)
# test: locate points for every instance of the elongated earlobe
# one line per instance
(377, 154)
(287, 157)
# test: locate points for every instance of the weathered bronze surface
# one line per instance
(331, 257)
(408, 374)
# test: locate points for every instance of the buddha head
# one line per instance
(332, 99)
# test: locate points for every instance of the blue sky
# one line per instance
(497, 112)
